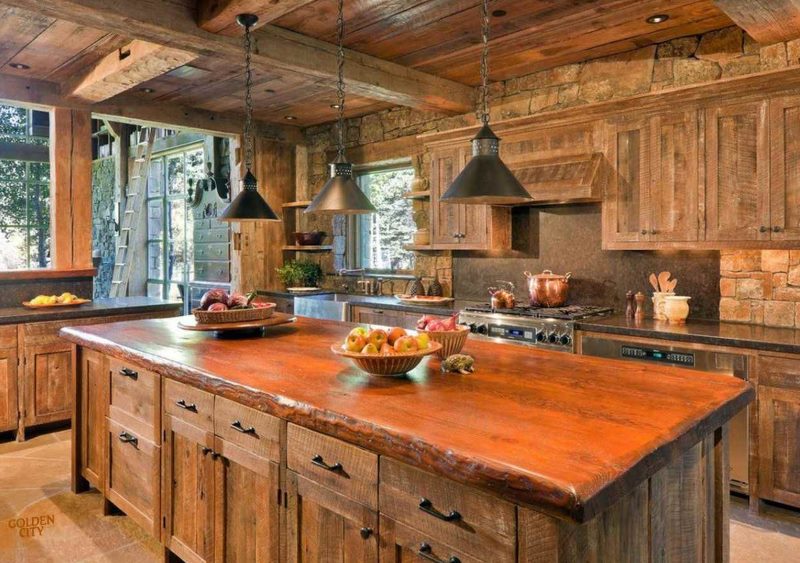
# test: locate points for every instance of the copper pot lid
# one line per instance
(548, 275)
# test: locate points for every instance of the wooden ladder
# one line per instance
(134, 198)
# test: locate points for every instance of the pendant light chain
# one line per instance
(340, 77)
(484, 94)
(248, 99)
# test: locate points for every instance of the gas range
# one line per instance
(551, 328)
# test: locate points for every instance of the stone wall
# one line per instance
(760, 286)
(103, 233)
(680, 62)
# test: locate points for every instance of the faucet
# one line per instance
(363, 284)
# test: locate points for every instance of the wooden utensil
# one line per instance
(654, 282)
(663, 280)
(672, 284)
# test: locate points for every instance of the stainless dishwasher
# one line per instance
(699, 358)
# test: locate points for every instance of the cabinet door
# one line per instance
(246, 506)
(373, 316)
(737, 173)
(9, 407)
(446, 218)
(625, 209)
(403, 544)
(784, 130)
(47, 386)
(326, 526)
(672, 198)
(187, 490)
(779, 444)
(93, 373)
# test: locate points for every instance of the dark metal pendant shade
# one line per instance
(486, 179)
(249, 205)
(341, 195)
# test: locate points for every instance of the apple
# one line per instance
(423, 340)
(355, 342)
(406, 344)
(360, 330)
(377, 337)
(217, 307)
(387, 350)
(396, 333)
(369, 349)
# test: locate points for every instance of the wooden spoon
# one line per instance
(672, 285)
(654, 282)
(663, 280)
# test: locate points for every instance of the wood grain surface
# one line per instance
(565, 434)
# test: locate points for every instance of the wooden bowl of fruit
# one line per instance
(446, 332)
(381, 352)
(217, 306)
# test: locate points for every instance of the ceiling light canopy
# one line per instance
(248, 204)
(486, 179)
(340, 195)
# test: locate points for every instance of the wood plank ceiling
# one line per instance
(439, 37)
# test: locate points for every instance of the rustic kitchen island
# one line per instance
(272, 449)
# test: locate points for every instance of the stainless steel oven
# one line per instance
(699, 358)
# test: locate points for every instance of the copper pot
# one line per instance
(548, 289)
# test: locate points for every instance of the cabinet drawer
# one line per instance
(216, 235)
(133, 476)
(189, 404)
(779, 371)
(212, 251)
(453, 514)
(337, 465)
(216, 271)
(135, 399)
(400, 544)
(255, 431)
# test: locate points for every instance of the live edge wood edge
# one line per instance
(524, 489)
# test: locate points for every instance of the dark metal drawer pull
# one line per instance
(126, 438)
(320, 462)
(237, 425)
(426, 552)
(426, 506)
(366, 533)
(128, 372)
(186, 406)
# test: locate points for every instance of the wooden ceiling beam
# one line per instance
(173, 25)
(766, 21)
(125, 69)
(127, 108)
(219, 16)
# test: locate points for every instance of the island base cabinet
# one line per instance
(403, 544)
(93, 385)
(326, 526)
(9, 408)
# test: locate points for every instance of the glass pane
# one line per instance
(39, 244)
(39, 172)
(155, 261)
(177, 259)
(12, 203)
(155, 290)
(155, 178)
(195, 169)
(12, 170)
(176, 181)
(175, 291)
(383, 234)
(155, 219)
(39, 204)
(13, 248)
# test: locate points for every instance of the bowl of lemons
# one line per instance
(66, 299)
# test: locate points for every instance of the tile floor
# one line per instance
(34, 482)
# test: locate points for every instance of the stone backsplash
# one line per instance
(761, 287)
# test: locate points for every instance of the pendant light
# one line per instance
(485, 179)
(248, 205)
(340, 195)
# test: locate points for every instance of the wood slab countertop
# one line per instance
(565, 434)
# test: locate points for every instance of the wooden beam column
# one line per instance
(766, 21)
(71, 189)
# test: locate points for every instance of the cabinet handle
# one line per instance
(644, 231)
(365, 533)
(206, 450)
(455, 235)
(762, 229)
(128, 372)
(426, 552)
(126, 438)
(320, 462)
(776, 229)
(653, 231)
(236, 425)
(426, 506)
(186, 406)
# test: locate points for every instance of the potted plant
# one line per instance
(300, 273)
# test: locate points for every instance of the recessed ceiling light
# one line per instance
(335, 106)
(19, 66)
(146, 90)
(499, 13)
(657, 18)
(289, 117)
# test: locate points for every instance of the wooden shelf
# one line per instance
(421, 247)
(296, 204)
(309, 248)
(417, 195)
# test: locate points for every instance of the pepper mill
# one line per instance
(629, 309)
(639, 315)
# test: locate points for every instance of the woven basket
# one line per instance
(395, 364)
(234, 315)
(452, 341)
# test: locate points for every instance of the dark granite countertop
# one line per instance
(96, 308)
(737, 335)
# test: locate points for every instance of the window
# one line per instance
(170, 237)
(24, 189)
(380, 237)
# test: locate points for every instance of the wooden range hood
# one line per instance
(563, 179)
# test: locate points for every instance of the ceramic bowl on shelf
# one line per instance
(312, 238)
(394, 364)
(676, 308)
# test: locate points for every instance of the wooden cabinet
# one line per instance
(47, 375)
(737, 173)
(779, 429)
(458, 226)
(404, 544)
(784, 129)
(9, 408)
(385, 317)
(93, 374)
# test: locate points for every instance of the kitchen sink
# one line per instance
(333, 306)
